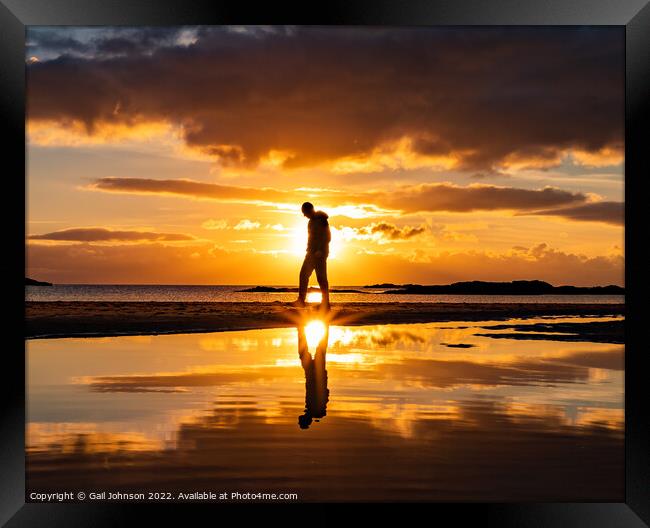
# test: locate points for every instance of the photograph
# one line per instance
(325, 263)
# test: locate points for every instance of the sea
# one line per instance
(234, 293)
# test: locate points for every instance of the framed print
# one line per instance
(371, 252)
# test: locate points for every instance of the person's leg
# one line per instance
(305, 272)
(321, 277)
(303, 347)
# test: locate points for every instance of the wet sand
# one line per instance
(94, 319)
(591, 331)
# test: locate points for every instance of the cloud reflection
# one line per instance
(440, 422)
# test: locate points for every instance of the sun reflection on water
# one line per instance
(314, 297)
(314, 331)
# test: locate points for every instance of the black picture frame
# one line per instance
(634, 15)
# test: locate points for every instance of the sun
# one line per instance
(297, 240)
(314, 332)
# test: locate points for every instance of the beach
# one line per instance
(104, 318)
(453, 197)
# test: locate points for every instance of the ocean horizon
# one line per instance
(233, 293)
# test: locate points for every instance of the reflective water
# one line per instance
(392, 412)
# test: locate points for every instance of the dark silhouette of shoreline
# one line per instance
(532, 287)
(33, 282)
(522, 287)
(91, 318)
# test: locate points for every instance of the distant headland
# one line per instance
(520, 287)
(33, 282)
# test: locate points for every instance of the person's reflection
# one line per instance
(316, 391)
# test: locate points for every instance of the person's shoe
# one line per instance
(297, 303)
(324, 307)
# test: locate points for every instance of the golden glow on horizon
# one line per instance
(255, 241)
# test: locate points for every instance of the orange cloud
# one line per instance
(100, 234)
(68, 133)
(449, 197)
(246, 225)
(606, 156)
(173, 264)
(382, 231)
(194, 189)
(607, 212)
(215, 225)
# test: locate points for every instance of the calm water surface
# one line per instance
(127, 293)
(391, 412)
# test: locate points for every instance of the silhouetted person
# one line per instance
(318, 243)
(316, 391)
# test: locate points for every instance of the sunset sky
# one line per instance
(182, 155)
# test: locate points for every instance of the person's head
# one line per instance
(307, 209)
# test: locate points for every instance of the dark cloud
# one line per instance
(484, 95)
(102, 42)
(194, 189)
(613, 359)
(391, 231)
(99, 234)
(429, 372)
(445, 374)
(415, 198)
(448, 197)
(607, 212)
(174, 382)
(54, 41)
